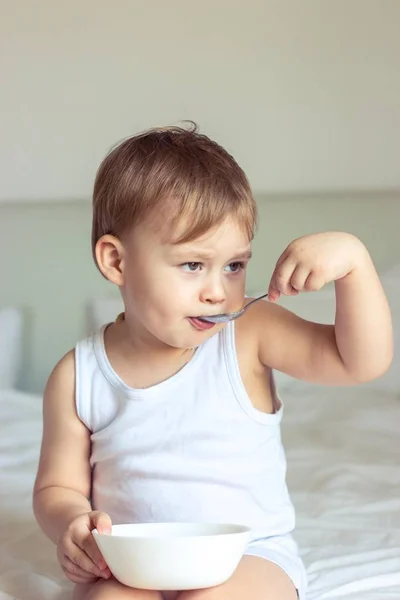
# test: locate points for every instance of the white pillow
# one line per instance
(10, 347)
(104, 310)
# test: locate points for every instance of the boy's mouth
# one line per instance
(198, 323)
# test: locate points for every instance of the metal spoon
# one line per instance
(226, 317)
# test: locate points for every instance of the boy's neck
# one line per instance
(134, 341)
(139, 360)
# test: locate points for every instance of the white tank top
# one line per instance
(191, 448)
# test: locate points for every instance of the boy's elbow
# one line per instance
(377, 369)
(36, 499)
(385, 361)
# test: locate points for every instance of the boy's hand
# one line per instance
(77, 551)
(310, 262)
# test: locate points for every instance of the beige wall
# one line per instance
(47, 268)
(305, 95)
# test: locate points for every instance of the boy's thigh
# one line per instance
(111, 589)
(255, 578)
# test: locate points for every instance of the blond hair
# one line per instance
(170, 173)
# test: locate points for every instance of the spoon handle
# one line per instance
(255, 300)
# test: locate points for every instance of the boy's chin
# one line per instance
(189, 342)
(183, 338)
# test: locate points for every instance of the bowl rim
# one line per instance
(240, 529)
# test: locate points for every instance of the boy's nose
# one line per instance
(213, 294)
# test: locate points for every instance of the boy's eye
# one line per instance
(235, 267)
(191, 266)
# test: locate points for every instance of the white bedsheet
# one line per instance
(344, 474)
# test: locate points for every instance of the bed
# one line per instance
(344, 475)
(343, 455)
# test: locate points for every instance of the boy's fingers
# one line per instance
(273, 293)
(282, 258)
(77, 550)
(76, 572)
(89, 545)
(299, 278)
(281, 279)
(315, 282)
(77, 554)
(101, 521)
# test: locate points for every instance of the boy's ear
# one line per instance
(110, 258)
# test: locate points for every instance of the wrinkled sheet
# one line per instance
(343, 450)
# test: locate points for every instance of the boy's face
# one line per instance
(166, 286)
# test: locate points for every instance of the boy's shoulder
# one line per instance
(257, 325)
(270, 328)
(59, 393)
(66, 366)
(264, 317)
(64, 370)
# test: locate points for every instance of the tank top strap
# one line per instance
(232, 365)
(86, 377)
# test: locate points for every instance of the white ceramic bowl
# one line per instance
(173, 556)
